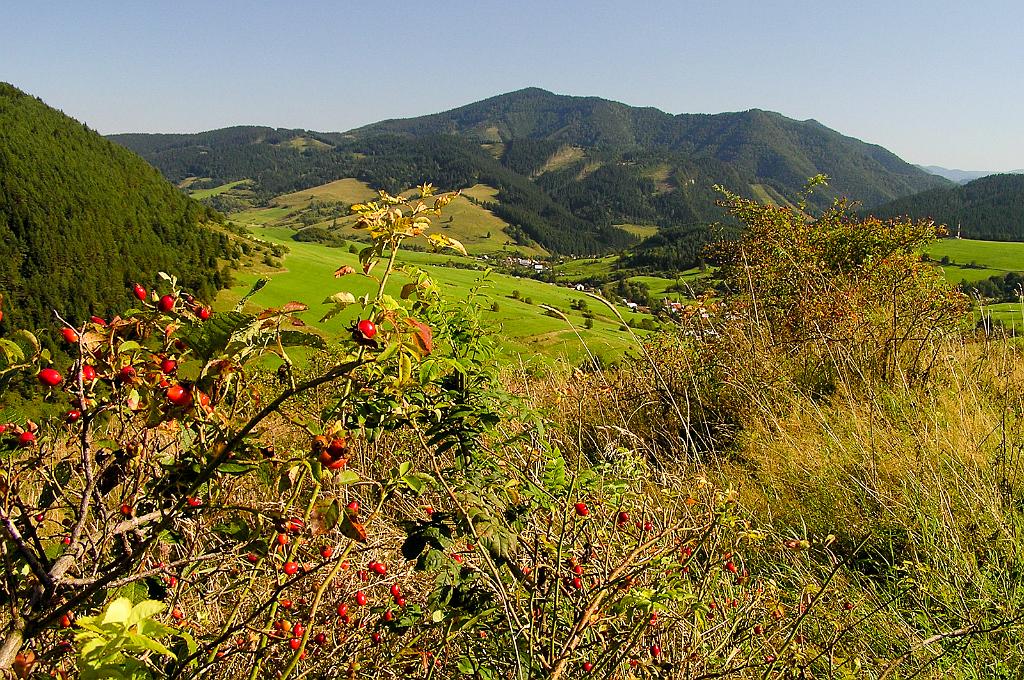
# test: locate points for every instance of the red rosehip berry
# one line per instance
(290, 568)
(70, 335)
(655, 650)
(396, 590)
(26, 439)
(587, 666)
(361, 598)
(326, 552)
(166, 304)
(582, 510)
(139, 292)
(50, 377)
(126, 510)
(168, 366)
(342, 609)
(204, 313)
(73, 415)
(179, 396)
(379, 568)
(295, 643)
(353, 507)
(367, 329)
(88, 373)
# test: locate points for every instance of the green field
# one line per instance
(586, 268)
(1009, 315)
(659, 285)
(993, 257)
(479, 230)
(641, 231)
(216, 191)
(524, 330)
(346, 191)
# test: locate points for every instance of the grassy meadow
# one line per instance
(524, 329)
(479, 230)
(200, 194)
(993, 258)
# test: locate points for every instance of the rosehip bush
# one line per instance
(384, 507)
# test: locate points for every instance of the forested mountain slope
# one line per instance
(990, 208)
(81, 218)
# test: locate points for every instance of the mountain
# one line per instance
(962, 176)
(568, 170)
(762, 144)
(990, 208)
(81, 218)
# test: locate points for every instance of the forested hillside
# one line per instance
(763, 145)
(990, 208)
(81, 218)
(568, 170)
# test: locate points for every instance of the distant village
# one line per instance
(535, 266)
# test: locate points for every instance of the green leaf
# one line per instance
(235, 468)
(146, 609)
(300, 339)
(210, 338)
(340, 301)
(328, 513)
(143, 642)
(128, 346)
(345, 477)
(117, 611)
(389, 351)
(136, 592)
(236, 529)
(417, 480)
(12, 352)
(256, 287)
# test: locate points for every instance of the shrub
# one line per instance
(837, 281)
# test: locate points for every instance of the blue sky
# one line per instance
(936, 82)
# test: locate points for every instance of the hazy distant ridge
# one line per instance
(963, 176)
